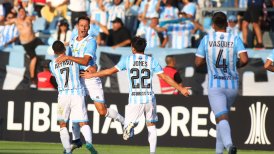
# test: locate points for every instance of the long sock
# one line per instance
(75, 131)
(225, 133)
(219, 142)
(152, 138)
(64, 136)
(86, 131)
(115, 115)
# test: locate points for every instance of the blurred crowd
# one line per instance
(175, 24)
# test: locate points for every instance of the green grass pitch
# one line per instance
(7, 147)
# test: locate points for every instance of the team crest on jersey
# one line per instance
(140, 58)
(222, 37)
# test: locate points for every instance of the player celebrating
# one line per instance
(269, 62)
(71, 101)
(141, 97)
(83, 50)
(220, 50)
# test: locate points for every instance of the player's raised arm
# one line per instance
(102, 73)
(80, 60)
(170, 81)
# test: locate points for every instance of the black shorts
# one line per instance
(31, 46)
(253, 13)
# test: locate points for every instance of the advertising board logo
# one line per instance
(257, 133)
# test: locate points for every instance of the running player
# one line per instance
(71, 98)
(269, 62)
(220, 50)
(83, 50)
(140, 69)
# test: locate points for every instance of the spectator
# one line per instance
(46, 81)
(232, 25)
(171, 71)
(38, 5)
(118, 36)
(9, 33)
(62, 34)
(147, 9)
(253, 13)
(179, 34)
(151, 35)
(53, 9)
(117, 9)
(2, 13)
(167, 12)
(98, 14)
(189, 9)
(28, 40)
(28, 6)
(78, 9)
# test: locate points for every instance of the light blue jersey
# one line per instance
(271, 57)
(86, 46)
(221, 50)
(67, 77)
(140, 72)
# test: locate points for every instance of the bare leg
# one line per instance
(245, 31)
(258, 32)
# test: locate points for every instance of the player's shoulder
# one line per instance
(90, 39)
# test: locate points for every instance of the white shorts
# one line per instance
(94, 89)
(221, 100)
(135, 111)
(72, 107)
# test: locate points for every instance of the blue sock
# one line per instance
(219, 142)
(225, 133)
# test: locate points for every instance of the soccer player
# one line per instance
(219, 50)
(83, 50)
(71, 98)
(269, 62)
(140, 69)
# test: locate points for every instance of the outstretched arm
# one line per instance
(80, 60)
(170, 81)
(102, 73)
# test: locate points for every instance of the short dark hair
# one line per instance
(169, 58)
(83, 18)
(220, 20)
(139, 44)
(21, 8)
(58, 47)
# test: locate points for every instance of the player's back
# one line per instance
(67, 77)
(221, 50)
(140, 69)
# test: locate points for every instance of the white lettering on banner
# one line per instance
(196, 121)
(54, 125)
(252, 88)
(109, 124)
(166, 120)
(27, 115)
(212, 132)
(178, 120)
(11, 125)
(176, 123)
(40, 116)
